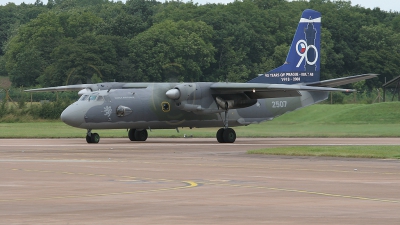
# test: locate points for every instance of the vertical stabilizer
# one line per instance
(302, 63)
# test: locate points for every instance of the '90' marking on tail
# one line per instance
(302, 49)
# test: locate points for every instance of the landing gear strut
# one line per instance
(137, 135)
(226, 134)
(92, 138)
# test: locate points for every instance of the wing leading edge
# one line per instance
(92, 87)
(263, 90)
(257, 90)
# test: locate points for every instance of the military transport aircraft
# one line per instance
(142, 106)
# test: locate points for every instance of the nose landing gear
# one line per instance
(92, 138)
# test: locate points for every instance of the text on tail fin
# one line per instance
(302, 63)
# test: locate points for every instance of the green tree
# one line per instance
(172, 51)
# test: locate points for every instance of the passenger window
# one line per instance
(100, 98)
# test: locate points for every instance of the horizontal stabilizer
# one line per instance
(342, 81)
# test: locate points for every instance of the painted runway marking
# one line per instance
(266, 168)
(304, 192)
(189, 184)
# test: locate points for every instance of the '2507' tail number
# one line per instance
(279, 104)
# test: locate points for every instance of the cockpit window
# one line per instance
(92, 97)
(84, 97)
(100, 98)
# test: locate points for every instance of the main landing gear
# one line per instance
(133, 134)
(92, 138)
(137, 135)
(226, 134)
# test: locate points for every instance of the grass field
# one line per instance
(321, 120)
(381, 152)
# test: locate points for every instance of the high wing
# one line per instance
(257, 90)
(263, 90)
(92, 87)
(341, 81)
(76, 87)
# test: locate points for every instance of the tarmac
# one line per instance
(193, 181)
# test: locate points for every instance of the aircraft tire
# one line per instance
(95, 138)
(220, 135)
(229, 135)
(141, 135)
(88, 139)
(131, 134)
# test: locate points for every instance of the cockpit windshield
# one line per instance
(92, 97)
(84, 97)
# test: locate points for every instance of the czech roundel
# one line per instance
(302, 47)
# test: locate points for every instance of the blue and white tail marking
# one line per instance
(302, 63)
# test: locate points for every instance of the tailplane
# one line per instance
(302, 63)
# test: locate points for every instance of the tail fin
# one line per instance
(303, 60)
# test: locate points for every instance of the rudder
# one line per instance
(302, 63)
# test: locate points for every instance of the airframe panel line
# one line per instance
(305, 192)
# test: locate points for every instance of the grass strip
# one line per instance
(351, 151)
(57, 129)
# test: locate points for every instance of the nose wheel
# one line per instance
(92, 138)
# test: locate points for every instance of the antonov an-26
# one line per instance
(142, 106)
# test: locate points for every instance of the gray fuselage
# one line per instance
(144, 108)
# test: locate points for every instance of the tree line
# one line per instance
(82, 41)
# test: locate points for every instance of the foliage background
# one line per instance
(83, 41)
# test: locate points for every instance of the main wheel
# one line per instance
(220, 135)
(229, 135)
(141, 135)
(88, 139)
(131, 134)
(95, 138)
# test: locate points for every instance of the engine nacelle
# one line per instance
(235, 103)
(183, 92)
(187, 97)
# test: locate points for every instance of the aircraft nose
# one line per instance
(72, 116)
